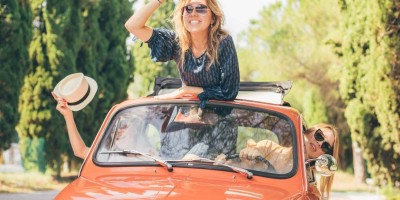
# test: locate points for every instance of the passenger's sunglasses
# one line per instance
(201, 9)
(325, 147)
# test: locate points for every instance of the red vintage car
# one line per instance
(169, 149)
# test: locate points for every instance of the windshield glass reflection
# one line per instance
(179, 132)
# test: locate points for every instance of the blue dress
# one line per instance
(220, 82)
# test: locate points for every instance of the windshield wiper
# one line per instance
(239, 170)
(134, 152)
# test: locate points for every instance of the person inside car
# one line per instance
(205, 53)
(319, 139)
(126, 136)
(78, 145)
(75, 92)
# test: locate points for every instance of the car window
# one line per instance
(174, 132)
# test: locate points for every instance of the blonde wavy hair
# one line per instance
(215, 33)
(326, 181)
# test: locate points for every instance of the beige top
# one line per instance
(281, 158)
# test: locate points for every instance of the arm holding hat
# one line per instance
(77, 143)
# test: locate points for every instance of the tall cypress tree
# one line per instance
(51, 56)
(145, 69)
(103, 56)
(69, 37)
(370, 83)
(15, 34)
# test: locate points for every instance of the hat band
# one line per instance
(82, 99)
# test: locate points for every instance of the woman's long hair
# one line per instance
(326, 181)
(215, 33)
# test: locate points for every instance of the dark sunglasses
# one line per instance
(201, 9)
(326, 147)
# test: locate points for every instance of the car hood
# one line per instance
(145, 187)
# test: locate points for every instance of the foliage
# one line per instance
(289, 42)
(15, 34)
(49, 55)
(61, 47)
(103, 56)
(314, 110)
(370, 83)
(296, 40)
(145, 69)
(390, 192)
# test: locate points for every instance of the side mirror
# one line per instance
(325, 164)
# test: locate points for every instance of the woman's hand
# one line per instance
(251, 152)
(62, 106)
(183, 92)
(221, 158)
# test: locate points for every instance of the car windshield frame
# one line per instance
(180, 163)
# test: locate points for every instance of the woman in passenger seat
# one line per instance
(319, 139)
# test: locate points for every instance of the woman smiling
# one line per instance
(205, 54)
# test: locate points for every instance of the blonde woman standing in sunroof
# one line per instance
(205, 54)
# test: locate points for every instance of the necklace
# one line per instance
(199, 63)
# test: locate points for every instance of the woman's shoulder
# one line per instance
(162, 34)
(226, 41)
(165, 32)
(225, 37)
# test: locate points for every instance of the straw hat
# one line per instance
(78, 90)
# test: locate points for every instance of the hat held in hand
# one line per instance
(78, 90)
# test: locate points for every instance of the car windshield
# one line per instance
(181, 133)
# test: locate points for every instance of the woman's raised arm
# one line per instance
(77, 143)
(136, 24)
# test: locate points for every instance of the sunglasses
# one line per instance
(201, 9)
(325, 147)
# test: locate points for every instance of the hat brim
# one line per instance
(93, 89)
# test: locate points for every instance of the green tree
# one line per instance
(289, 41)
(296, 40)
(103, 55)
(15, 34)
(370, 83)
(69, 37)
(314, 109)
(145, 69)
(51, 55)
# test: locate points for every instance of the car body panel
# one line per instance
(155, 182)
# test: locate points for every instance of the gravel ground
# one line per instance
(42, 195)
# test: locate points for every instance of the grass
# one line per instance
(30, 182)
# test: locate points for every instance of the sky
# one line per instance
(238, 13)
